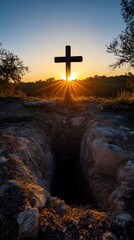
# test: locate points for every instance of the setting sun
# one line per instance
(72, 77)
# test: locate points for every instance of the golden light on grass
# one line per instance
(67, 90)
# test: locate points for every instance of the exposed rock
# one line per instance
(75, 223)
(50, 104)
(28, 221)
(2, 159)
(127, 172)
(107, 165)
(107, 157)
(25, 176)
(77, 121)
(123, 219)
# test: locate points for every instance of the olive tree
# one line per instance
(123, 45)
(11, 67)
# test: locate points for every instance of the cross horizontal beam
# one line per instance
(68, 59)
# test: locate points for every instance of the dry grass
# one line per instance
(11, 92)
(123, 98)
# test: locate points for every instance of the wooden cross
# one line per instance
(68, 59)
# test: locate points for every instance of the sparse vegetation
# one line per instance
(97, 88)
(11, 70)
(114, 92)
(108, 90)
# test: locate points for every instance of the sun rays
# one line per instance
(65, 89)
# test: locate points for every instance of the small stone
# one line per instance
(3, 159)
(43, 229)
(28, 222)
(75, 223)
(3, 188)
(77, 121)
(123, 219)
(65, 228)
(64, 121)
(109, 236)
(63, 208)
(81, 238)
(131, 132)
(90, 226)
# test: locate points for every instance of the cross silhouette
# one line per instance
(68, 59)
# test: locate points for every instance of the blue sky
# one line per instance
(39, 30)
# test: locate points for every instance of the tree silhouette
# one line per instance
(123, 46)
(11, 67)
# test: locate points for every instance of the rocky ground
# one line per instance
(35, 138)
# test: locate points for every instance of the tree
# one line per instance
(11, 67)
(123, 46)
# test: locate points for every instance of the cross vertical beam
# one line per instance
(68, 63)
(68, 59)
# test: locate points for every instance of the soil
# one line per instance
(59, 220)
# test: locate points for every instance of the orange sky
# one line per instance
(38, 31)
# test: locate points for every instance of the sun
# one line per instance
(71, 78)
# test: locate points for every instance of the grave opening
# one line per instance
(67, 181)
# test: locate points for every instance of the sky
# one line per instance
(38, 30)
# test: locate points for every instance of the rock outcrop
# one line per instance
(106, 163)
(26, 175)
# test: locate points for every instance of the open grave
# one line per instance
(67, 181)
(65, 173)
